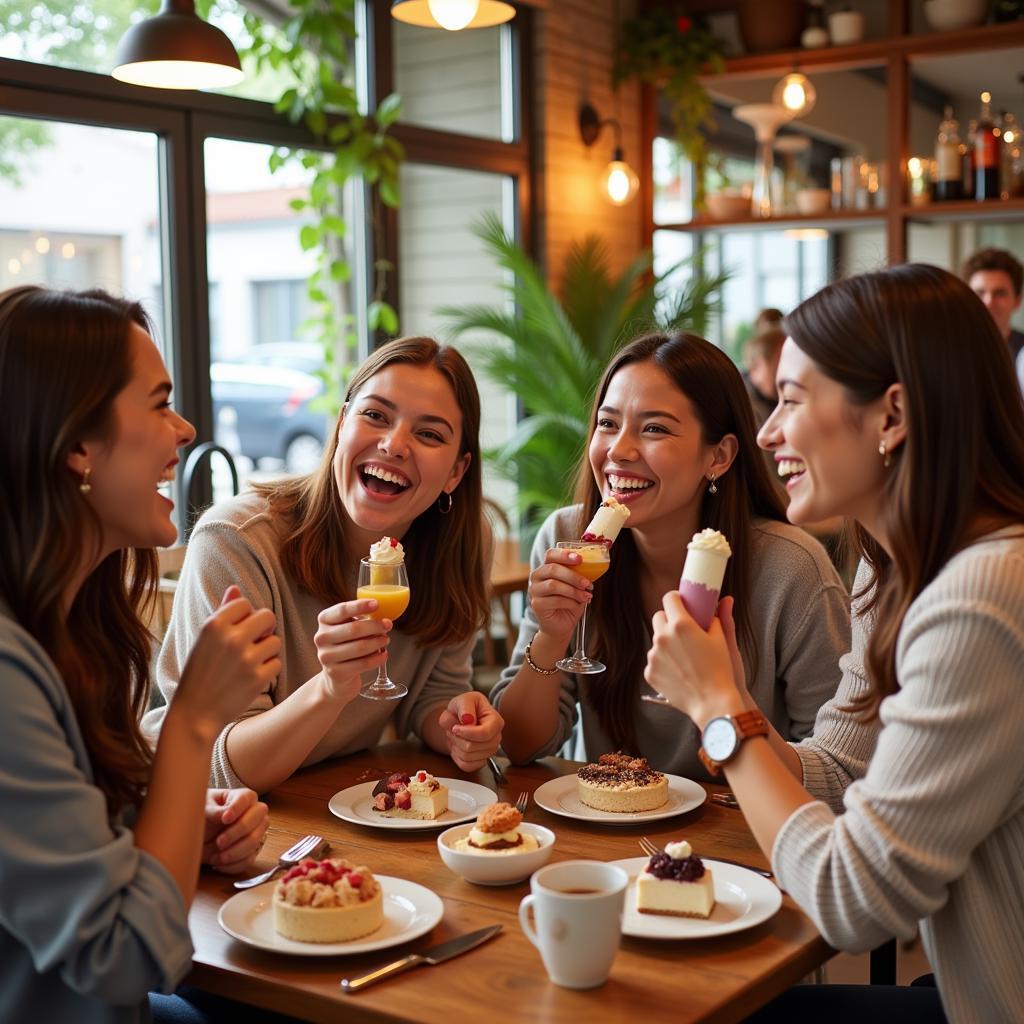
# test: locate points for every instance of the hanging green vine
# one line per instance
(313, 51)
(670, 50)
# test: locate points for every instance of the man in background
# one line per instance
(996, 277)
(761, 360)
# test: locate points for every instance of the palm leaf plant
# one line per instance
(556, 348)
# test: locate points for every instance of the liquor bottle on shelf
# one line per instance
(948, 170)
(967, 152)
(986, 153)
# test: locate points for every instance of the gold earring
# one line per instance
(713, 489)
(85, 487)
(886, 457)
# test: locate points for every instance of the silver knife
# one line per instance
(433, 956)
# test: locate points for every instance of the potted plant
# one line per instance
(559, 347)
(670, 49)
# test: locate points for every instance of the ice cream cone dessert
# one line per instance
(608, 520)
(706, 558)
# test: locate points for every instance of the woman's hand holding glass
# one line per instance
(348, 643)
(695, 670)
(236, 823)
(234, 660)
(559, 594)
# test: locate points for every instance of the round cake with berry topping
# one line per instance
(327, 901)
(419, 796)
(621, 784)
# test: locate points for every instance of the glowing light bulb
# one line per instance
(14, 265)
(795, 93)
(1009, 136)
(620, 182)
(67, 250)
(42, 245)
(453, 14)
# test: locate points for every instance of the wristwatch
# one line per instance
(723, 735)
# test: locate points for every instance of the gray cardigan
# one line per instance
(801, 621)
(238, 542)
(88, 923)
(922, 815)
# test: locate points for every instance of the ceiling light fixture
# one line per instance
(796, 93)
(619, 181)
(452, 15)
(176, 49)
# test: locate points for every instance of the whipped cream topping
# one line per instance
(710, 540)
(608, 520)
(481, 838)
(680, 850)
(423, 783)
(387, 551)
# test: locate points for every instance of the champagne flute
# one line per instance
(388, 585)
(595, 561)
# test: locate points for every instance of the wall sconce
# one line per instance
(619, 181)
(452, 14)
(796, 93)
(176, 49)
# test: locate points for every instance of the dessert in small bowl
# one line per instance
(329, 900)
(499, 848)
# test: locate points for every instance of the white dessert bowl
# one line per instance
(814, 201)
(495, 868)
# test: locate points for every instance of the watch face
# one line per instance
(720, 739)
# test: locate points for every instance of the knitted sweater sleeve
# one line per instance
(947, 765)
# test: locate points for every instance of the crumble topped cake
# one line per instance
(622, 784)
(329, 900)
(497, 832)
(676, 883)
(418, 796)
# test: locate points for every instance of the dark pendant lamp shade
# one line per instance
(176, 49)
(418, 12)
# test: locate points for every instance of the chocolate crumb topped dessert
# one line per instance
(622, 784)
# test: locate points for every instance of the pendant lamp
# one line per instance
(452, 15)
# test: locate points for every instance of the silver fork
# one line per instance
(522, 802)
(305, 847)
(651, 849)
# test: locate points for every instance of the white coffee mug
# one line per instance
(577, 911)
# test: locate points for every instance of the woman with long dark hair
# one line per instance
(102, 836)
(404, 463)
(672, 437)
(898, 408)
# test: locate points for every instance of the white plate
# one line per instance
(410, 910)
(743, 899)
(559, 797)
(465, 801)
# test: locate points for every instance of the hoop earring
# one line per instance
(886, 456)
(713, 489)
(85, 487)
(444, 509)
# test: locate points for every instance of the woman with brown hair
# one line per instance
(898, 409)
(672, 437)
(404, 463)
(102, 836)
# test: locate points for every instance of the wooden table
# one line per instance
(720, 979)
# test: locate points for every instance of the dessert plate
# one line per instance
(742, 900)
(465, 801)
(559, 796)
(410, 910)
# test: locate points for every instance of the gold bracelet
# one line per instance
(535, 667)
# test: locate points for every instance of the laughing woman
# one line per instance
(405, 463)
(672, 437)
(900, 409)
(100, 836)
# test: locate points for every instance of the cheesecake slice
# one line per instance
(327, 901)
(418, 796)
(675, 883)
(621, 784)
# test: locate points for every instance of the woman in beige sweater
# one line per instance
(898, 408)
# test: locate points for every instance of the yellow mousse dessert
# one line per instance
(497, 832)
(410, 796)
(622, 784)
(327, 901)
(675, 883)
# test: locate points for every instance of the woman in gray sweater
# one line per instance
(101, 837)
(672, 437)
(905, 808)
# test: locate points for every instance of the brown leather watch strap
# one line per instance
(747, 723)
